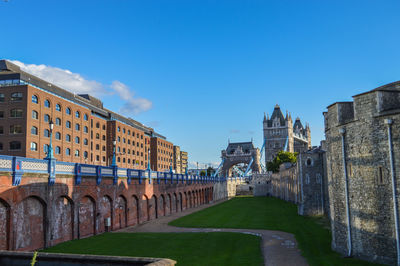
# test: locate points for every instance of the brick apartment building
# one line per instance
(84, 131)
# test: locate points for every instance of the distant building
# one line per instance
(184, 161)
(177, 160)
(281, 134)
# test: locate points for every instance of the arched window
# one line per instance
(77, 140)
(47, 104)
(34, 130)
(104, 127)
(85, 142)
(129, 132)
(68, 138)
(58, 121)
(46, 118)
(16, 96)
(97, 147)
(77, 114)
(104, 148)
(35, 99)
(33, 146)
(118, 129)
(35, 115)
(85, 129)
(104, 137)
(15, 145)
(68, 124)
(68, 111)
(123, 130)
(85, 154)
(85, 117)
(57, 150)
(46, 133)
(58, 135)
(68, 151)
(97, 136)
(16, 113)
(76, 153)
(97, 125)
(58, 107)
(77, 127)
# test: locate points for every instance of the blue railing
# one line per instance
(20, 165)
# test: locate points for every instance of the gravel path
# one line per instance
(279, 248)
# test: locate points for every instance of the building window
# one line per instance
(1, 130)
(16, 113)
(34, 130)
(77, 127)
(123, 130)
(15, 145)
(123, 140)
(46, 148)
(104, 158)
(85, 129)
(85, 154)
(58, 136)
(33, 146)
(76, 153)
(97, 125)
(104, 127)
(119, 139)
(16, 129)
(58, 150)
(16, 96)
(68, 111)
(77, 140)
(119, 149)
(85, 117)
(58, 121)
(35, 99)
(129, 141)
(97, 136)
(77, 114)
(46, 133)
(85, 142)
(104, 148)
(2, 98)
(47, 104)
(104, 137)
(46, 118)
(97, 158)
(68, 151)
(1, 146)
(118, 159)
(118, 129)
(129, 132)
(97, 147)
(68, 138)
(35, 115)
(68, 124)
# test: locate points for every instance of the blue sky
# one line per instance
(203, 72)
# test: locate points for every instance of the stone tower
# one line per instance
(281, 134)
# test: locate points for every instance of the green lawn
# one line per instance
(312, 234)
(218, 248)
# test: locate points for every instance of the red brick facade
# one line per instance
(161, 154)
(34, 215)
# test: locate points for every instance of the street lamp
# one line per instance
(170, 167)
(113, 163)
(50, 154)
(148, 160)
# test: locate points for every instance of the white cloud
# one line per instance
(63, 78)
(133, 104)
(75, 83)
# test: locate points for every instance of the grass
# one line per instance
(312, 233)
(217, 248)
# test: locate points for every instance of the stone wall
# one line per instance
(365, 167)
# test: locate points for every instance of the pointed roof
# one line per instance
(277, 113)
(297, 124)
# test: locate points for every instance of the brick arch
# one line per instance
(86, 216)
(29, 220)
(186, 199)
(136, 209)
(176, 202)
(163, 205)
(189, 203)
(63, 215)
(121, 212)
(180, 201)
(5, 224)
(154, 206)
(169, 202)
(105, 211)
(146, 209)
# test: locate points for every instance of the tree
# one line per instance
(280, 158)
(203, 173)
(210, 171)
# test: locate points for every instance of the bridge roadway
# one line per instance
(279, 248)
